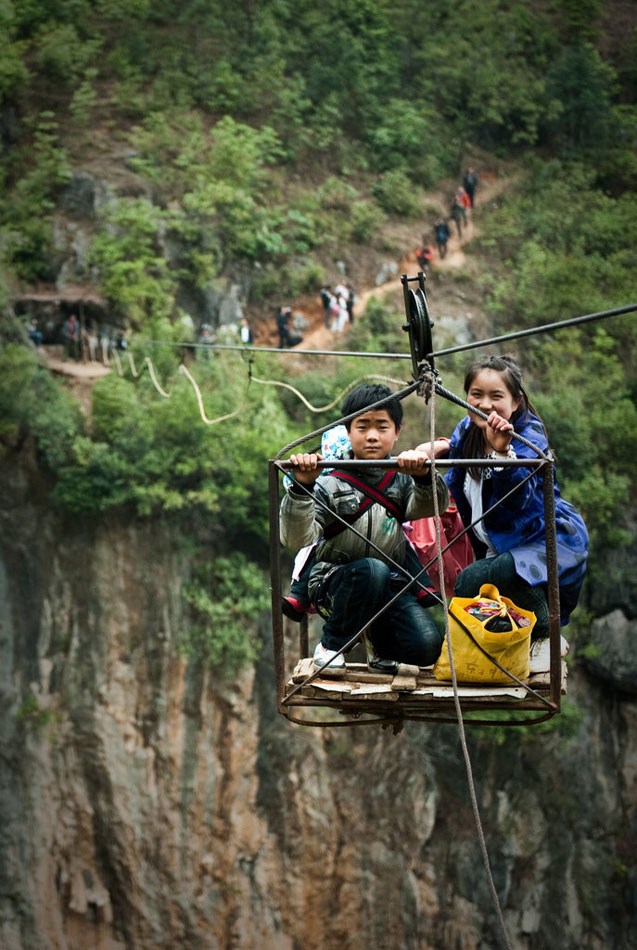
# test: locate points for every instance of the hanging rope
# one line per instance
(209, 422)
(463, 739)
(118, 363)
(335, 402)
(131, 363)
(263, 382)
(151, 370)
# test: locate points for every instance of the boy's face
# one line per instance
(373, 435)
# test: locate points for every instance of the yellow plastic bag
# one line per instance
(511, 648)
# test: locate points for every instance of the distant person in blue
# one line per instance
(509, 544)
(35, 335)
(441, 230)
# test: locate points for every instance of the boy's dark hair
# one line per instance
(367, 393)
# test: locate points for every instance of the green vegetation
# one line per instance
(264, 142)
(564, 726)
(224, 601)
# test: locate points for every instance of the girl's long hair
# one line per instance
(473, 442)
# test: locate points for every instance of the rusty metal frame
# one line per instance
(427, 709)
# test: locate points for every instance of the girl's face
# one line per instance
(489, 392)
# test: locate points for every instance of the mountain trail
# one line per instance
(491, 186)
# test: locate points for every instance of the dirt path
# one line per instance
(491, 186)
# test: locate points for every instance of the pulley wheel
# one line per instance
(419, 327)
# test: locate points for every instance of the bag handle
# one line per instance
(491, 592)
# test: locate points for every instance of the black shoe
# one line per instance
(293, 608)
(378, 663)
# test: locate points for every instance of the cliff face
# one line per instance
(149, 804)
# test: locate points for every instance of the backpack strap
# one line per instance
(374, 495)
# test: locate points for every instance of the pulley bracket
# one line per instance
(418, 324)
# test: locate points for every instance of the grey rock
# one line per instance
(611, 653)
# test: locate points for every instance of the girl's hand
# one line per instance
(305, 465)
(413, 462)
(499, 432)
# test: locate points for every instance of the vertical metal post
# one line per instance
(304, 640)
(275, 576)
(553, 589)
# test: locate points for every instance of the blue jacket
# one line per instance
(517, 525)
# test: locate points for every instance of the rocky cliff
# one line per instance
(149, 804)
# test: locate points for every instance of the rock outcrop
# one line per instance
(150, 804)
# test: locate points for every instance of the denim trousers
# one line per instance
(500, 571)
(353, 593)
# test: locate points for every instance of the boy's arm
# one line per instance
(298, 518)
(421, 499)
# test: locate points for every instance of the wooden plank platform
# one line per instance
(411, 686)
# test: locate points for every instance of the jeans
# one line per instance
(500, 571)
(350, 595)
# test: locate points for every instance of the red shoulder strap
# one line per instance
(373, 495)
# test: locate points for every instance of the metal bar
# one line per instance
(304, 642)
(244, 347)
(573, 321)
(275, 573)
(552, 585)
(391, 463)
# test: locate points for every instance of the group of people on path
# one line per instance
(462, 201)
(340, 576)
(338, 306)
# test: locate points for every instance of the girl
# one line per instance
(509, 543)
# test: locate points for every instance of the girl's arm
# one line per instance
(440, 450)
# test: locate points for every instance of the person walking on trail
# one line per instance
(441, 231)
(458, 213)
(470, 183)
(326, 300)
(282, 325)
(71, 337)
(245, 332)
(425, 256)
(341, 317)
(351, 300)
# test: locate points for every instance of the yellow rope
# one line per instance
(263, 382)
(209, 422)
(274, 382)
(132, 364)
(154, 379)
(119, 363)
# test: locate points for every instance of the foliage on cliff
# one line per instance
(263, 140)
(221, 108)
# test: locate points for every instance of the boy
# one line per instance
(350, 581)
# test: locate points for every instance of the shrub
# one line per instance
(224, 601)
(395, 193)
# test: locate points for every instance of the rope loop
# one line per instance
(427, 382)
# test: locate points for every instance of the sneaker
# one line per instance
(540, 656)
(322, 657)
